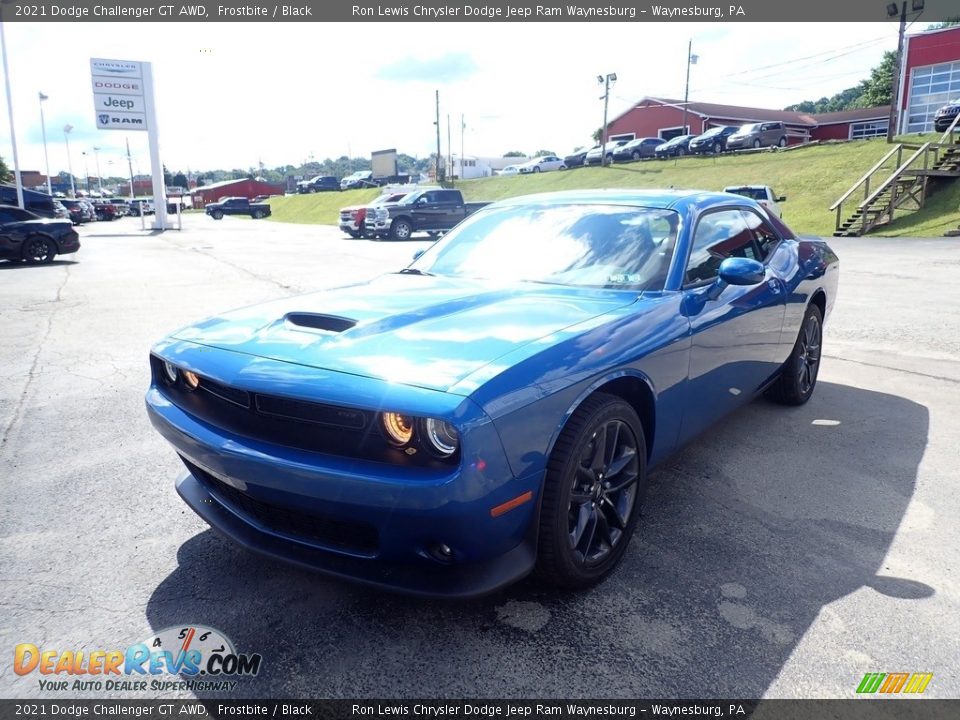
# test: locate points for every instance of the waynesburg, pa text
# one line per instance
(552, 11)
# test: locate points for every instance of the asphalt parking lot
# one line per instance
(784, 554)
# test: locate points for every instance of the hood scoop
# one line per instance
(318, 321)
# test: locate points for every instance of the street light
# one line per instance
(86, 169)
(892, 12)
(96, 156)
(606, 81)
(43, 130)
(66, 138)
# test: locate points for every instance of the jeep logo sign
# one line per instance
(118, 94)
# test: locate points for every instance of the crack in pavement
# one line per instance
(31, 373)
(290, 289)
(893, 369)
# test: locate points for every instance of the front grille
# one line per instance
(355, 537)
(312, 426)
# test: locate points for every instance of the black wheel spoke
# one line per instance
(598, 461)
(617, 465)
(583, 518)
(613, 514)
(590, 533)
(622, 484)
(580, 496)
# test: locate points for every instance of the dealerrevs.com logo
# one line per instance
(203, 658)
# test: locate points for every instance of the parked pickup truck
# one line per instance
(236, 206)
(353, 218)
(429, 211)
(763, 194)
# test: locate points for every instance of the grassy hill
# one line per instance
(811, 177)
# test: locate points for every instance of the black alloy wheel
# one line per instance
(596, 479)
(798, 378)
(38, 249)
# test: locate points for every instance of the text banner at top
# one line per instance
(480, 11)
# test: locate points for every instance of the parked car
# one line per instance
(578, 157)
(89, 211)
(713, 141)
(105, 209)
(510, 170)
(76, 210)
(60, 211)
(432, 211)
(637, 149)
(144, 205)
(594, 155)
(30, 238)
(946, 115)
(755, 135)
(353, 219)
(675, 147)
(544, 163)
(236, 206)
(763, 194)
(122, 206)
(489, 409)
(36, 202)
(359, 179)
(320, 183)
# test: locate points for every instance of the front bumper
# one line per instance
(740, 144)
(368, 521)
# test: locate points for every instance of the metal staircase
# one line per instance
(904, 184)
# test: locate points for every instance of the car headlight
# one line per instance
(441, 436)
(170, 371)
(397, 427)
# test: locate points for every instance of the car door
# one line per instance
(426, 210)
(735, 330)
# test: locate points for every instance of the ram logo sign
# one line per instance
(892, 683)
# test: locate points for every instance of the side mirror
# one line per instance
(418, 253)
(782, 198)
(742, 271)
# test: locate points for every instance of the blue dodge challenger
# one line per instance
(494, 408)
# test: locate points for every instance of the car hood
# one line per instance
(417, 330)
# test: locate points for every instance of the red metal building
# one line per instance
(234, 188)
(661, 117)
(929, 77)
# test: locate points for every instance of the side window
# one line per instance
(764, 235)
(448, 197)
(7, 217)
(429, 197)
(719, 235)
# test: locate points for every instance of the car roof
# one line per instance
(663, 199)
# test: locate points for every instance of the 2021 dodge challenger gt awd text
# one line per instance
(495, 407)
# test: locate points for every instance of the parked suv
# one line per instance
(595, 155)
(675, 147)
(755, 135)
(713, 140)
(945, 115)
(320, 183)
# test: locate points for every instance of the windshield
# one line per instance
(748, 128)
(582, 245)
(752, 193)
(712, 131)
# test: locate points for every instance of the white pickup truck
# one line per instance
(763, 194)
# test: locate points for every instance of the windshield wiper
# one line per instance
(414, 271)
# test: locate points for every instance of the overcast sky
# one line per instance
(231, 95)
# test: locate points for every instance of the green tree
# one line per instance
(538, 153)
(876, 89)
(514, 153)
(597, 134)
(180, 180)
(5, 174)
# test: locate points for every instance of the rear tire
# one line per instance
(38, 249)
(592, 494)
(217, 215)
(257, 214)
(798, 378)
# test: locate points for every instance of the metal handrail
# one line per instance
(866, 177)
(894, 175)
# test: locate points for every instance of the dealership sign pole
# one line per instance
(123, 99)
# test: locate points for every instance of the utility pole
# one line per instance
(463, 159)
(895, 75)
(66, 137)
(437, 123)
(449, 148)
(130, 168)
(606, 81)
(686, 89)
(13, 133)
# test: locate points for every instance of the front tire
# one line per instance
(593, 492)
(798, 378)
(217, 215)
(782, 142)
(756, 143)
(38, 249)
(401, 230)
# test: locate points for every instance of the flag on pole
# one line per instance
(693, 59)
(42, 96)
